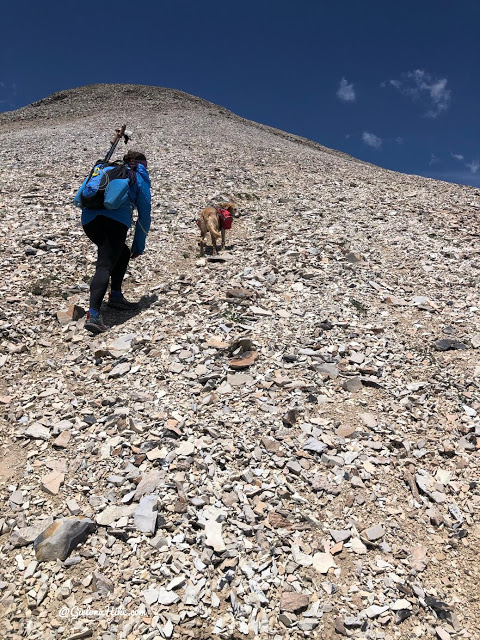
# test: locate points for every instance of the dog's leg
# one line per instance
(223, 238)
(202, 245)
(214, 234)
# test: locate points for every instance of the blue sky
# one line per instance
(396, 84)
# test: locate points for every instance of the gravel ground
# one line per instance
(283, 442)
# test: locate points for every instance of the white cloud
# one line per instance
(474, 166)
(345, 91)
(433, 159)
(421, 86)
(371, 140)
(399, 140)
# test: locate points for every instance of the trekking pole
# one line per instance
(119, 134)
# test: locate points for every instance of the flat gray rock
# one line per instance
(167, 597)
(122, 344)
(328, 369)
(26, 535)
(145, 515)
(312, 444)
(354, 385)
(375, 532)
(240, 380)
(149, 482)
(449, 344)
(38, 432)
(119, 370)
(340, 535)
(114, 512)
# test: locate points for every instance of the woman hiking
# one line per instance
(108, 229)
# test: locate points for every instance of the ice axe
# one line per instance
(119, 134)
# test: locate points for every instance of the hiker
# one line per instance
(108, 230)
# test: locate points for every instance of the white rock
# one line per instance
(402, 603)
(166, 597)
(150, 596)
(176, 583)
(357, 546)
(322, 562)
(185, 449)
(213, 533)
(167, 630)
(38, 431)
(375, 610)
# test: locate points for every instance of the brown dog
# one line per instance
(210, 221)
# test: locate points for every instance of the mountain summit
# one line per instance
(283, 441)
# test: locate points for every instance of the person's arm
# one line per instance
(144, 206)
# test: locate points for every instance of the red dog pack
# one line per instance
(226, 218)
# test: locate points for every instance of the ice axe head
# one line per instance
(119, 133)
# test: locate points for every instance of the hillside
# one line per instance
(329, 489)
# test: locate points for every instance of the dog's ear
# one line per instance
(231, 206)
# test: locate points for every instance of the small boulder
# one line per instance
(449, 344)
(292, 601)
(61, 537)
(354, 385)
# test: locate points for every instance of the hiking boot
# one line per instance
(95, 324)
(121, 304)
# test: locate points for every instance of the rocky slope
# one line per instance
(328, 487)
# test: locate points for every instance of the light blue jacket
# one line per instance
(140, 198)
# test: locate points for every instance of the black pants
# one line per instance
(113, 256)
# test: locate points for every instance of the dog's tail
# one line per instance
(212, 230)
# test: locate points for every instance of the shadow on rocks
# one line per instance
(114, 317)
(209, 250)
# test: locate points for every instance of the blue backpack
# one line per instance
(107, 187)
